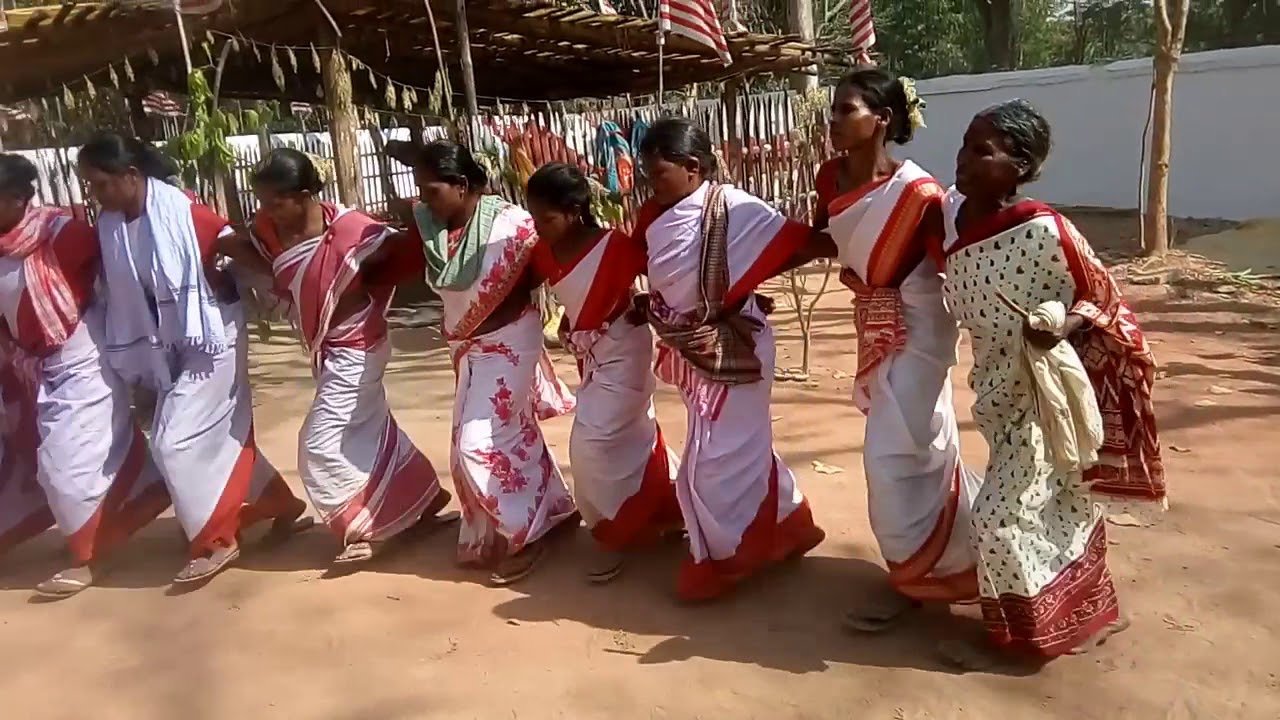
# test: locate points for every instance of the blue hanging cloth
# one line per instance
(613, 157)
(639, 128)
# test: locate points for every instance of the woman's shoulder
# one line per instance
(920, 181)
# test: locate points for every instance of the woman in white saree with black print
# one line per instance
(1039, 530)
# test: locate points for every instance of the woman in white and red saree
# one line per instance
(175, 324)
(338, 270)
(478, 249)
(1041, 537)
(882, 214)
(708, 248)
(24, 511)
(93, 462)
(623, 471)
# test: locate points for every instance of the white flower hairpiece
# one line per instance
(915, 105)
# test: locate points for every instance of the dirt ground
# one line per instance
(418, 638)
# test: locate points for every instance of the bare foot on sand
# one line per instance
(879, 611)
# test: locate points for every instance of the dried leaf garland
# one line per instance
(277, 72)
(390, 94)
(406, 98)
(128, 70)
(153, 56)
(315, 57)
(257, 51)
(111, 74)
(89, 89)
(68, 99)
(293, 59)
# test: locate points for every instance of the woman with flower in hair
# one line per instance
(882, 214)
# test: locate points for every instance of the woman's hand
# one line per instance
(1045, 340)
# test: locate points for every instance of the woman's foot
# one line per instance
(879, 612)
(434, 517)
(67, 583)
(1100, 638)
(517, 567)
(284, 527)
(970, 654)
(359, 552)
(604, 566)
(205, 568)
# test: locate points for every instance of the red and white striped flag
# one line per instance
(696, 20)
(161, 104)
(863, 28)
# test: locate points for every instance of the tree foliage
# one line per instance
(927, 38)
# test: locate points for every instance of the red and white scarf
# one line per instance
(32, 240)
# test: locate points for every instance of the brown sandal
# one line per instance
(519, 566)
(67, 583)
(205, 568)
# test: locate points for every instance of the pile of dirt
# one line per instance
(1240, 263)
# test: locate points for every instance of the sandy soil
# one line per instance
(418, 638)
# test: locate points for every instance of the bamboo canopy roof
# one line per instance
(522, 50)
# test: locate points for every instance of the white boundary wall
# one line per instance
(1226, 130)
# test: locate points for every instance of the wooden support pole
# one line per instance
(344, 127)
(800, 20)
(464, 52)
(733, 154)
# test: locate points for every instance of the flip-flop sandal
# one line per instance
(603, 575)
(210, 566)
(357, 552)
(60, 587)
(1101, 638)
(531, 556)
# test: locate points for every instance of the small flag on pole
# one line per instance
(863, 29)
(696, 20)
(161, 104)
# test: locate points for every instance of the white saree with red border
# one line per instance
(363, 474)
(742, 507)
(93, 464)
(623, 471)
(919, 492)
